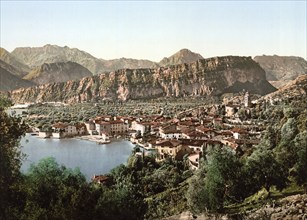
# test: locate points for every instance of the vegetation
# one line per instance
(146, 189)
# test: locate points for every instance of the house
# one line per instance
(231, 110)
(90, 126)
(62, 130)
(171, 148)
(100, 179)
(141, 127)
(103, 127)
(194, 160)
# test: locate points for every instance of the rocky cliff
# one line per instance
(204, 77)
(57, 72)
(282, 69)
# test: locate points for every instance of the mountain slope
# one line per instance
(201, 78)
(127, 63)
(282, 69)
(11, 69)
(294, 89)
(37, 56)
(182, 56)
(9, 81)
(57, 72)
(21, 68)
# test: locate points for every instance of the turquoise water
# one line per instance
(90, 157)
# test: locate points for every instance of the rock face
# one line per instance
(282, 69)
(9, 81)
(57, 72)
(205, 77)
(21, 69)
(182, 56)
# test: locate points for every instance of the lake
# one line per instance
(90, 157)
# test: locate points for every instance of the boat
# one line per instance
(103, 142)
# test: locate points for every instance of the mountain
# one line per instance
(127, 63)
(57, 72)
(37, 56)
(13, 70)
(295, 89)
(182, 56)
(204, 77)
(282, 69)
(21, 69)
(9, 81)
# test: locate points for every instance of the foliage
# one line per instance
(265, 171)
(11, 130)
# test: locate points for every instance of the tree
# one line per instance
(301, 163)
(56, 192)
(11, 130)
(265, 171)
(218, 181)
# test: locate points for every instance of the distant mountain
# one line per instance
(182, 56)
(9, 81)
(282, 69)
(57, 72)
(37, 56)
(11, 69)
(205, 77)
(127, 63)
(21, 68)
(295, 89)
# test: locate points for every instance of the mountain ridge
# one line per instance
(205, 77)
(57, 72)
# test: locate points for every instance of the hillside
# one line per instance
(182, 56)
(21, 69)
(205, 77)
(57, 72)
(282, 69)
(11, 69)
(295, 89)
(37, 56)
(9, 81)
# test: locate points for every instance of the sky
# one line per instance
(156, 29)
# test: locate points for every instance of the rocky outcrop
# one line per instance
(9, 81)
(282, 69)
(21, 69)
(182, 56)
(205, 77)
(57, 72)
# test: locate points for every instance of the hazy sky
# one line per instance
(155, 29)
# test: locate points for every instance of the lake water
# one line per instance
(90, 157)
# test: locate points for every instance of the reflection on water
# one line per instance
(90, 157)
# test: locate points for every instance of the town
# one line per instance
(190, 134)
